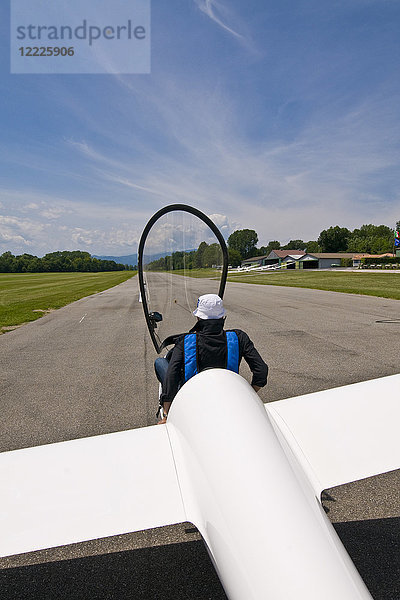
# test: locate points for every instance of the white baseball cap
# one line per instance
(209, 306)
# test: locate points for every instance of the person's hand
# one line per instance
(164, 412)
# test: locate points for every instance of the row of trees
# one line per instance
(372, 239)
(242, 244)
(57, 262)
(206, 256)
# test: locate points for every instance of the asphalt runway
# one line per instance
(87, 369)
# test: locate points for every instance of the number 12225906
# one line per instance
(46, 51)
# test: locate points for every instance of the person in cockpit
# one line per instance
(207, 345)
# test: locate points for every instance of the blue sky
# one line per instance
(275, 115)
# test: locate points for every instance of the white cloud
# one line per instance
(113, 240)
(19, 232)
(8, 237)
(124, 181)
(54, 212)
(216, 11)
(52, 223)
(23, 201)
(223, 224)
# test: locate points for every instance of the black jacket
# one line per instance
(212, 353)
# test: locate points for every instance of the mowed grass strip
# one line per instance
(22, 294)
(384, 285)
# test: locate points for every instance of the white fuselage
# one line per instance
(247, 493)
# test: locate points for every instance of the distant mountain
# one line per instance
(131, 259)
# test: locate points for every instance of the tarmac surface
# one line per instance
(87, 369)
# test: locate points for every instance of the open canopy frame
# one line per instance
(151, 317)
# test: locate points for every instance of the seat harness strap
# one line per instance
(233, 351)
(190, 354)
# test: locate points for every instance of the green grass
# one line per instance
(21, 294)
(384, 285)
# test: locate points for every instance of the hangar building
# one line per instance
(298, 259)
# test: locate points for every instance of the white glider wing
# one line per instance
(343, 434)
(88, 488)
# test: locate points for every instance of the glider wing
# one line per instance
(343, 434)
(88, 488)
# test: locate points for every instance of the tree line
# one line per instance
(371, 239)
(242, 244)
(65, 261)
(206, 256)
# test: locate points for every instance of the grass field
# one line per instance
(385, 285)
(27, 296)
